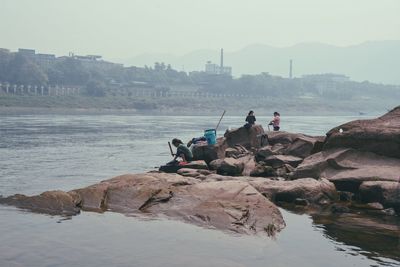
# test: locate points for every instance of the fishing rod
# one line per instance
(220, 120)
(170, 149)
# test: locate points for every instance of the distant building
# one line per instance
(327, 77)
(212, 68)
(30, 53)
(326, 81)
(96, 61)
(89, 57)
(45, 60)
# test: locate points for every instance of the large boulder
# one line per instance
(277, 161)
(234, 167)
(50, 202)
(387, 193)
(195, 173)
(295, 144)
(380, 136)
(225, 205)
(209, 153)
(129, 192)
(348, 168)
(249, 138)
(262, 170)
(196, 164)
(266, 151)
(227, 166)
(308, 189)
(237, 151)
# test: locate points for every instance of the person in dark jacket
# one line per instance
(250, 120)
(182, 151)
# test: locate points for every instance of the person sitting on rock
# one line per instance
(182, 151)
(276, 121)
(250, 119)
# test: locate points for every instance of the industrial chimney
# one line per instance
(222, 61)
(291, 69)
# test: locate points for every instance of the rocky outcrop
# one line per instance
(348, 168)
(262, 170)
(295, 144)
(234, 167)
(50, 202)
(387, 193)
(249, 138)
(232, 205)
(277, 161)
(237, 151)
(226, 205)
(380, 136)
(209, 153)
(197, 164)
(195, 173)
(227, 166)
(307, 189)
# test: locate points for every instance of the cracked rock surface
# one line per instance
(233, 205)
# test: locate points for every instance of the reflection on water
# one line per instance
(374, 236)
(41, 153)
(111, 239)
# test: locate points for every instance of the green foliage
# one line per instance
(95, 88)
(68, 71)
(16, 68)
(100, 79)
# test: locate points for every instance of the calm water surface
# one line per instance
(46, 152)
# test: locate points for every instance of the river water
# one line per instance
(47, 152)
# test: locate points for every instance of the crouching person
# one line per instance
(182, 152)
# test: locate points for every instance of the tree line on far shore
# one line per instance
(98, 81)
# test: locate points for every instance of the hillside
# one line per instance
(374, 61)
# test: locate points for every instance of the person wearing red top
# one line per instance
(276, 121)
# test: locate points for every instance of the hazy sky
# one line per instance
(126, 28)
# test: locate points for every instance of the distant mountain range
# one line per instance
(374, 61)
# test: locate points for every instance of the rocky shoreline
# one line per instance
(351, 175)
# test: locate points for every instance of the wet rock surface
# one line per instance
(50, 202)
(306, 189)
(375, 228)
(348, 168)
(230, 205)
(385, 192)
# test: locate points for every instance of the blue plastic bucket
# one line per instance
(211, 136)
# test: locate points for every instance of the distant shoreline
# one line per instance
(27, 105)
(20, 111)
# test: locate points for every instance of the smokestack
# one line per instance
(222, 59)
(291, 69)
